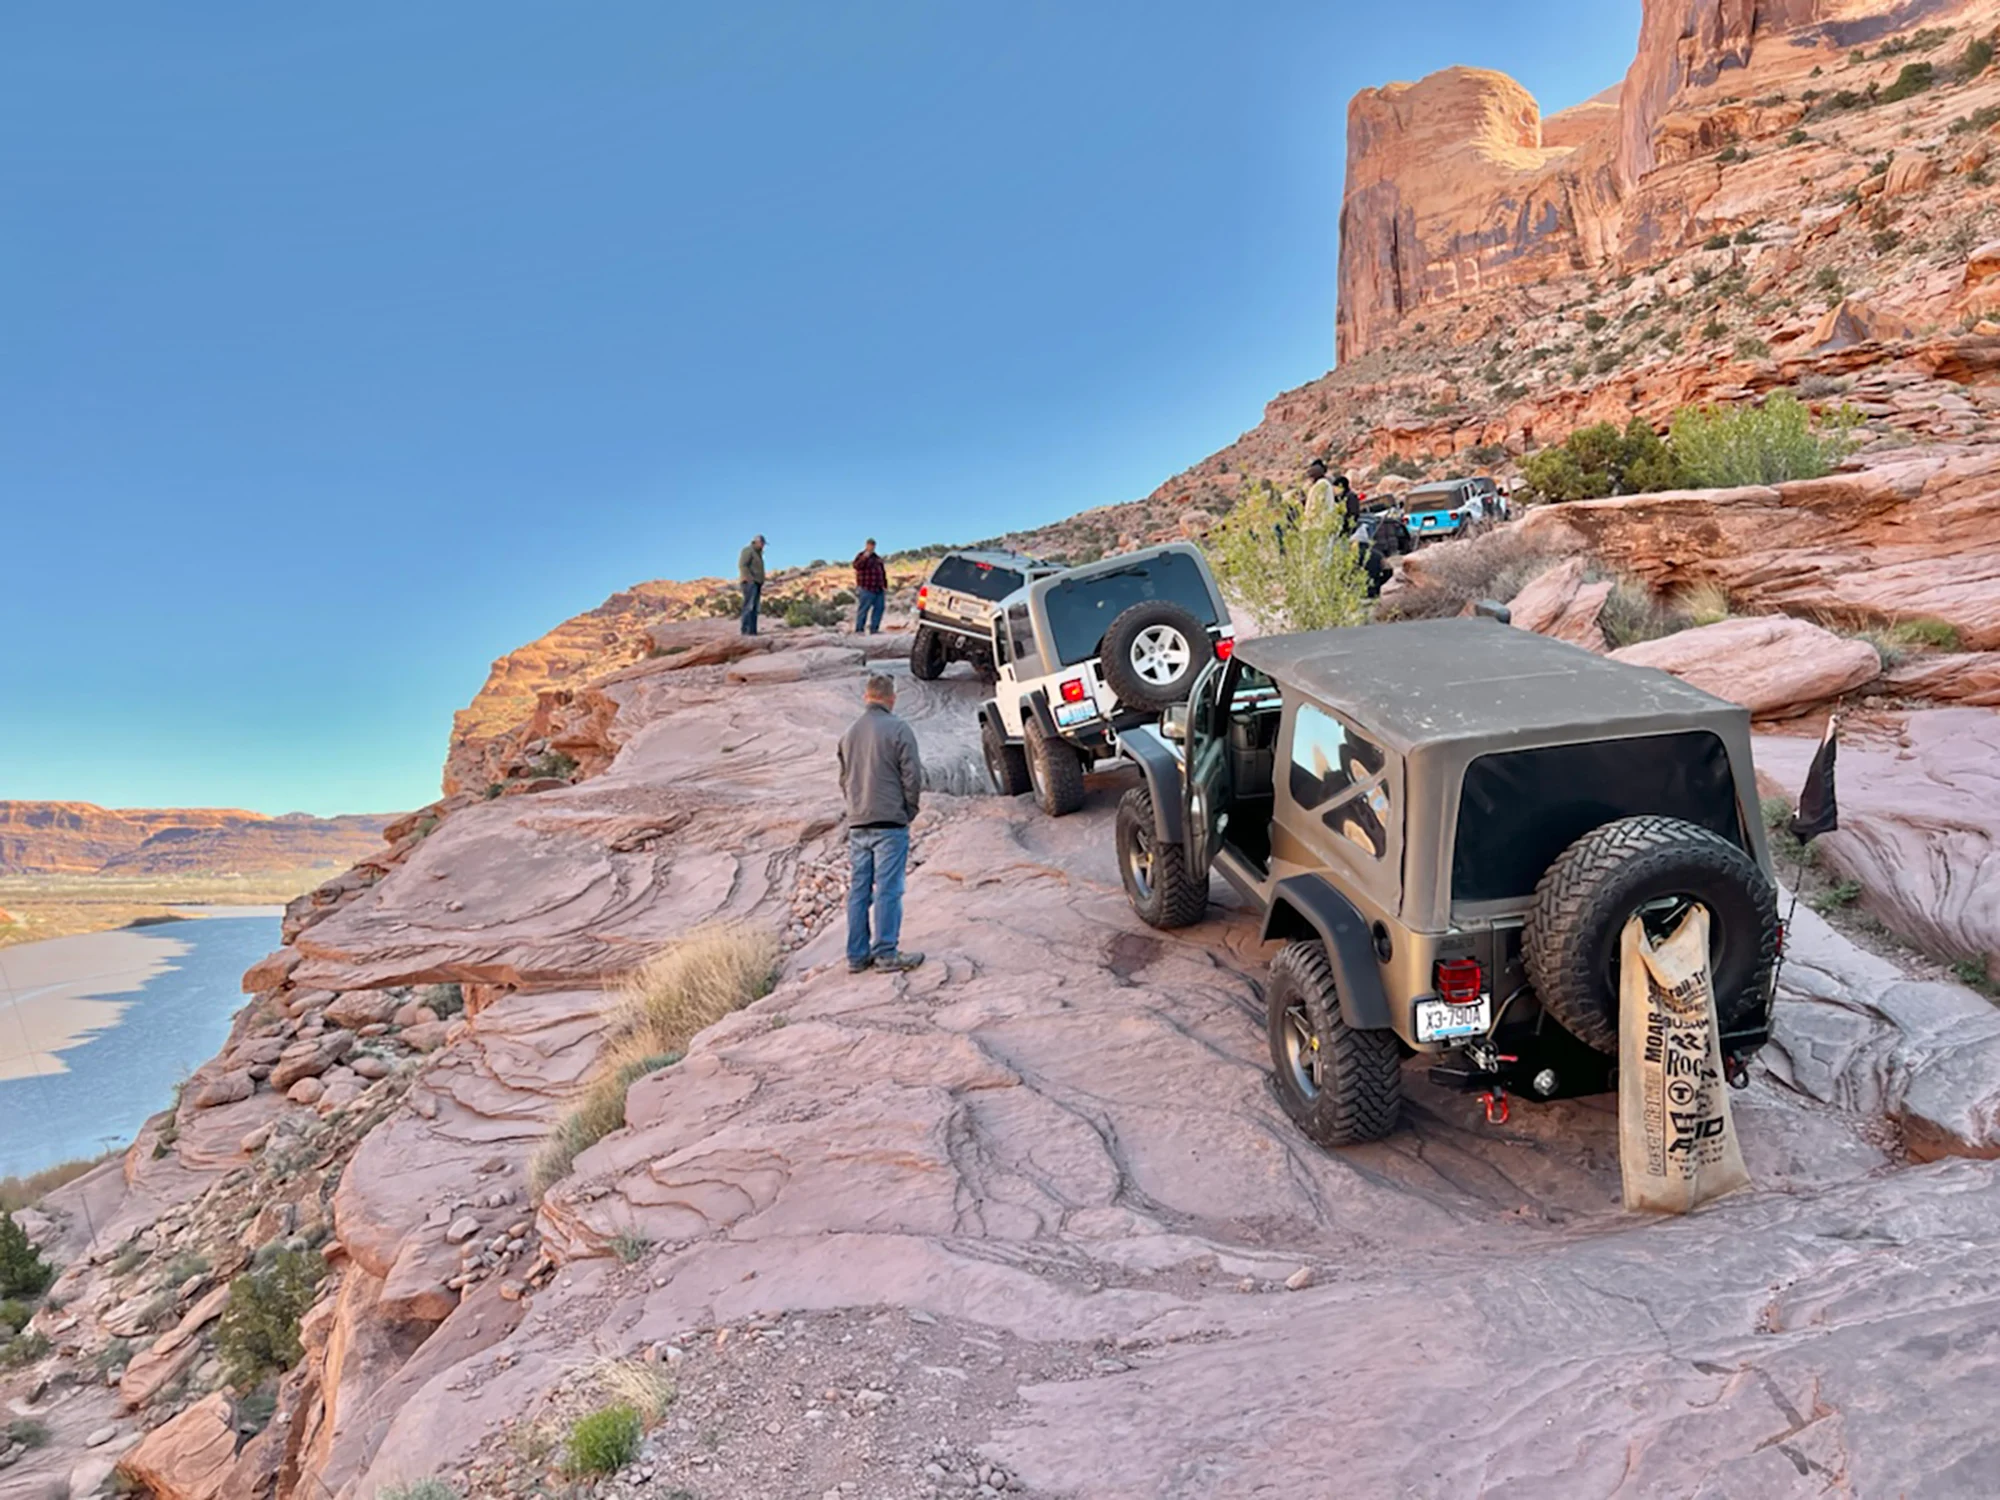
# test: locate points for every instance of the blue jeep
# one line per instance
(1452, 507)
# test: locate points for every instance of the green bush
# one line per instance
(14, 1317)
(20, 1352)
(1913, 80)
(1976, 58)
(25, 1431)
(604, 1442)
(259, 1331)
(1293, 573)
(1752, 347)
(422, 1489)
(1798, 137)
(1601, 460)
(444, 1000)
(1721, 447)
(1716, 242)
(23, 1272)
(1595, 321)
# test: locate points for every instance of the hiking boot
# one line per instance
(899, 962)
(860, 965)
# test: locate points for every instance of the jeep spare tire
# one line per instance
(1152, 654)
(1656, 867)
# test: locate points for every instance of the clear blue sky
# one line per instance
(344, 348)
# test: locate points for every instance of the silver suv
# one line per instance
(1088, 652)
(955, 608)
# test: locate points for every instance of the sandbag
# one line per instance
(1677, 1145)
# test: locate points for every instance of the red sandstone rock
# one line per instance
(1561, 602)
(1775, 666)
(187, 1457)
(1970, 678)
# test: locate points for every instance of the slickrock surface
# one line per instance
(1919, 822)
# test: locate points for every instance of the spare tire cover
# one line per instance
(1152, 654)
(1581, 905)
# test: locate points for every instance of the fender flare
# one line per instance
(1307, 906)
(1163, 782)
(1038, 705)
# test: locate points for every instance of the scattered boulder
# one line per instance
(230, 1088)
(1856, 322)
(270, 972)
(306, 1091)
(1775, 666)
(1964, 677)
(1910, 172)
(359, 1008)
(1560, 601)
(309, 1059)
(187, 1457)
(425, 1036)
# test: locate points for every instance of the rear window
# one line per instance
(1082, 609)
(1521, 809)
(985, 580)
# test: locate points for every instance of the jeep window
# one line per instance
(1020, 634)
(984, 580)
(1331, 764)
(1082, 609)
(1519, 810)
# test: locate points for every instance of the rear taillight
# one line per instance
(923, 594)
(1073, 691)
(1224, 649)
(1460, 981)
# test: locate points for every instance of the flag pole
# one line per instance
(1818, 812)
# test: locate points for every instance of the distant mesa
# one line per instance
(81, 838)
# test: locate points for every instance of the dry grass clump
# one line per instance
(1451, 575)
(17, 1193)
(685, 988)
(1704, 604)
(647, 1389)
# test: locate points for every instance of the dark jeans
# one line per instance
(753, 595)
(868, 611)
(876, 858)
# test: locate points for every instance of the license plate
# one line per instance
(1068, 714)
(1439, 1021)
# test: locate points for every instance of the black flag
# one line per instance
(1819, 809)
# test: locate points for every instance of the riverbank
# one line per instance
(45, 907)
(97, 1030)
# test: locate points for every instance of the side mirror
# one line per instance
(1489, 609)
(1174, 722)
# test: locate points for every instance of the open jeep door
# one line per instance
(1206, 792)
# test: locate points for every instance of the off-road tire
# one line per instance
(1360, 1095)
(928, 655)
(1006, 765)
(1581, 905)
(1054, 773)
(1121, 674)
(1170, 896)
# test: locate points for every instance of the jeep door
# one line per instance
(1204, 786)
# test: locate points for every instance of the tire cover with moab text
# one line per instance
(1581, 905)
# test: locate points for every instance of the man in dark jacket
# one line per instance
(750, 578)
(1347, 500)
(882, 778)
(871, 588)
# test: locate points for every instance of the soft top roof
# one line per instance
(1435, 682)
(996, 557)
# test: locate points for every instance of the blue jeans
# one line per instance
(753, 595)
(868, 612)
(875, 861)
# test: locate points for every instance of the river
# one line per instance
(95, 1031)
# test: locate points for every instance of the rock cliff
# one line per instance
(1457, 187)
(80, 838)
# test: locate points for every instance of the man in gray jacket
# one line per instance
(750, 578)
(882, 778)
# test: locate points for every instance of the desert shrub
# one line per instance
(1294, 573)
(1497, 565)
(1716, 242)
(1752, 347)
(1704, 604)
(552, 763)
(1395, 463)
(1746, 236)
(1714, 328)
(1595, 321)
(22, 1350)
(258, 1334)
(603, 1442)
(1911, 81)
(444, 1000)
(1798, 137)
(686, 987)
(1976, 58)
(1486, 455)
(1719, 447)
(1828, 280)
(1601, 460)
(1633, 613)
(14, 1316)
(421, 1489)
(23, 1272)
(1938, 635)
(17, 1193)
(805, 611)
(1731, 153)
(1885, 240)
(26, 1431)
(1983, 118)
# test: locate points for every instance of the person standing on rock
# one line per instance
(1319, 494)
(1349, 502)
(882, 778)
(750, 578)
(871, 589)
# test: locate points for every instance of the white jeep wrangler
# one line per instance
(1088, 652)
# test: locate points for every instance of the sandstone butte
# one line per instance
(80, 838)
(1030, 1218)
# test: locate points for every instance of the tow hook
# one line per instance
(1498, 1106)
(1734, 1069)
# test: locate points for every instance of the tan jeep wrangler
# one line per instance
(1448, 824)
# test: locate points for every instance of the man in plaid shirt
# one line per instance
(871, 586)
